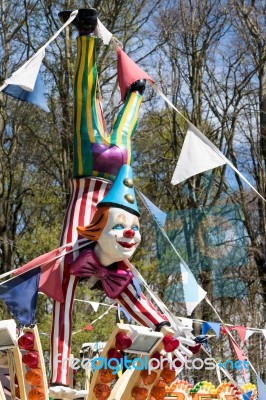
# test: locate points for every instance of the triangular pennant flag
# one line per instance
(20, 295)
(203, 339)
(94, 305)
(247, 396)
(241, 330)
(226, 329)
(239, 352)
(196, 157)
(128, 72)
(208, 142)
(26, 76)
(103, 33)
(249, 332)
(159, 215)
(261, 389)
(35, 97)
(193, 292)
(215, 326)
(50, 281)
(205, 328)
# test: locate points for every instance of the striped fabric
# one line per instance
(140, 309)
(88, 129)
(85, 194)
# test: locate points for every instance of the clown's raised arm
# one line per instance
(102, 203)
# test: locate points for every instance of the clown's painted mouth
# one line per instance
(127, 245)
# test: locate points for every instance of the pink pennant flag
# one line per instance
(128, 72)
(239, 353)
(241, 330)
(50, 273)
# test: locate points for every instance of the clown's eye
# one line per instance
(135, 228)
(119, 227)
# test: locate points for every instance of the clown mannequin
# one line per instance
(102, 206)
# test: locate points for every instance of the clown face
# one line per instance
(120, 237)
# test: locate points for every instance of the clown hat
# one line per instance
(128, 72)
(122, 194)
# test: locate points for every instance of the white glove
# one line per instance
(183, 342)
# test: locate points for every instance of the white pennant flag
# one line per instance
(103, 33)
(26, 76)
(249, 332)
(193, 292)
(196, 156)
(94, 305)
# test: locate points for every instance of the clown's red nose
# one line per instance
(129, 234)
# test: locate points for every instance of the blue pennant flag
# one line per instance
(215, 326)
(159, 215)
(247, 396)
(35, 97)
(261, 388)
(20, 295)
(203, 339)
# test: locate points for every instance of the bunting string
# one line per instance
(196, 287)
(35, 55)
(160, 303)
(79, 244)
(200, 321)
(97, 319)
(206, 140)
(192, 320)
(101, 304)
(228, 332)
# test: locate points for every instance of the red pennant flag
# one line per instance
(50, 281)
(128, 72)
(225, 330)
(241, 330)
(50, 273)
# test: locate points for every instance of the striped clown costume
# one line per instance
(97, 161)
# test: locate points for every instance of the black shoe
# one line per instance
(85, 21)
(138, 86)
